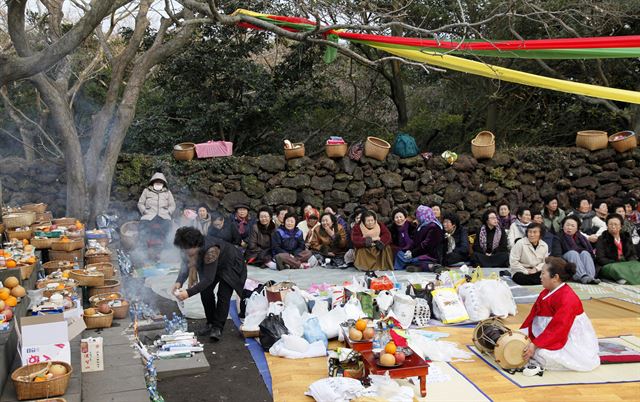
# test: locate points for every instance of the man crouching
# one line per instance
(207, 263)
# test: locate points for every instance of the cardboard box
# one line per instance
(43, 338)
(91, 355)
(43, 353)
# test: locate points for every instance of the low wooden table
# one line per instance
(413, 366)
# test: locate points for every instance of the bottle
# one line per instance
(76, 264)
(376, 343)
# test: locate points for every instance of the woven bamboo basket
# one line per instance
(184, 151)
(55, 255)
(19, 234)
(592, 139)
(41, 242)
(52, 400)
(625, 144)
(129, 233)
(52, 266)
(26, 270)
(97, 258)
(69, 245)
(119, 312)
(85, 279)
(376, 148)
(95, 299)
(106, 268)
(19, 219)
(44, 217)
(39, 208)
(296, 152)
(1, 228)
(33, 390)
(110, 286)
(336, 150)
(484, 145)
(66, 221)
(99, 321)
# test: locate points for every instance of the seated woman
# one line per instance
(552, 215)
(490, 247)
(329, 240)
(456, 240)
(372, 243)
(562, 337)
(437, 211)
(527, 257)
(156, 205)
(223, 229)
(242, 221)
(259, 242)
(505, 218)
(311, 218)
(518, 228)
(288, 246)
(402, 231)
(575, 248)
(547, 236)
(629, 227)
(616, 255)
(428, 243)
(202, 221)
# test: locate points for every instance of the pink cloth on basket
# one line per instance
(213, 149)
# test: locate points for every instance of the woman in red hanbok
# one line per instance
(562, 337)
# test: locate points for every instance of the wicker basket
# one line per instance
(66, 221)
(44, 217)
(32, 390)
(484, 145)
(52, 266)
(184, 151)
(129, 233)
(629, 141)
(19, 234)
(41, 242)
(591, 139)
(67, 256)
(376, 148)
(37, 208)
(27, 270)
(97, 258)
(296, 152)
(105, 267)
(119, 312)
(99, 321)
(96, 299)
(1, 228)
(69, 245)
(110, 286)
(336, 150)
(84, 279)
(19, 219)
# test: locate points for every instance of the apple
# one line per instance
(8, 314)
(368, 334)
(400, 357)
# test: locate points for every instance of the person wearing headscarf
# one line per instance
(490, 246)
(311, 217)
(156, 205)
(428, 243)
(259, 242)
(372, 243)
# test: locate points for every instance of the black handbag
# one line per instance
(271, 330)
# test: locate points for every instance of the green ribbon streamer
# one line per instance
(331, 53)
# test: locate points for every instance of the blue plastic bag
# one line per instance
(313, 332)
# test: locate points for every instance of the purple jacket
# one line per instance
(429, 241)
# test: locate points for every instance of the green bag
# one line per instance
(366, 301)
(627, 270)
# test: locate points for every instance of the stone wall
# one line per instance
(521, 176)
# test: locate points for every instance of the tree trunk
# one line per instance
(398, 95)
(492, 116)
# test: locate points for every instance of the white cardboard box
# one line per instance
(43, 353)
(43, 338)
(91, 354)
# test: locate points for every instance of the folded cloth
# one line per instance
(335, 389)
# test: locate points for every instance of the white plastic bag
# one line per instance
(335, 389)
(275, 308)
(252, 321)
(403, 309)
(499, 297)
(475, 302)
(257, 303)
(295, 299)
(330, 322)
(353, 309)
(384, 300)
(294, 347)
(320, 307)
(293, 320)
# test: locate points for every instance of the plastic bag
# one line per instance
(330, 322)
(252, 321)
(403, 309)
(271, 329)
(448, 306)
(275, 308)
(320, 307)
(353, 309)
(313, 332)
(295, 299)
(294, 347)
(501, 301)
(257, 303)
(293, 320)
(475, 302)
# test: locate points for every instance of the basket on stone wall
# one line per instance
(129, 233)
(296, 152)
(184, 151)
(336, 150)
(19, 219)
(623, 141)
(484, 145)
(376, 148)
(105, 267)
(26, 270)
(99, 320)
(26, 388)
(67, 244)
(591, 139)
(96, 258)
(39, 208)
(52, 266)
(19, 234)
(110, 286)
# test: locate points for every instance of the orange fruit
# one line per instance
(11, 301)
(361, 325)
(31, 260)
(39, 379)
(4, 293)
(10, 264)
(390, 348)
(25, 242)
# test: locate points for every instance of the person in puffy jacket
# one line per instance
(288, 248)
(156, 201)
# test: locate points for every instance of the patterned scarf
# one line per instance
(425, 216)
(483, 238)
(506, 221)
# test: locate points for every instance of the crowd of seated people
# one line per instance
(601, 240)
